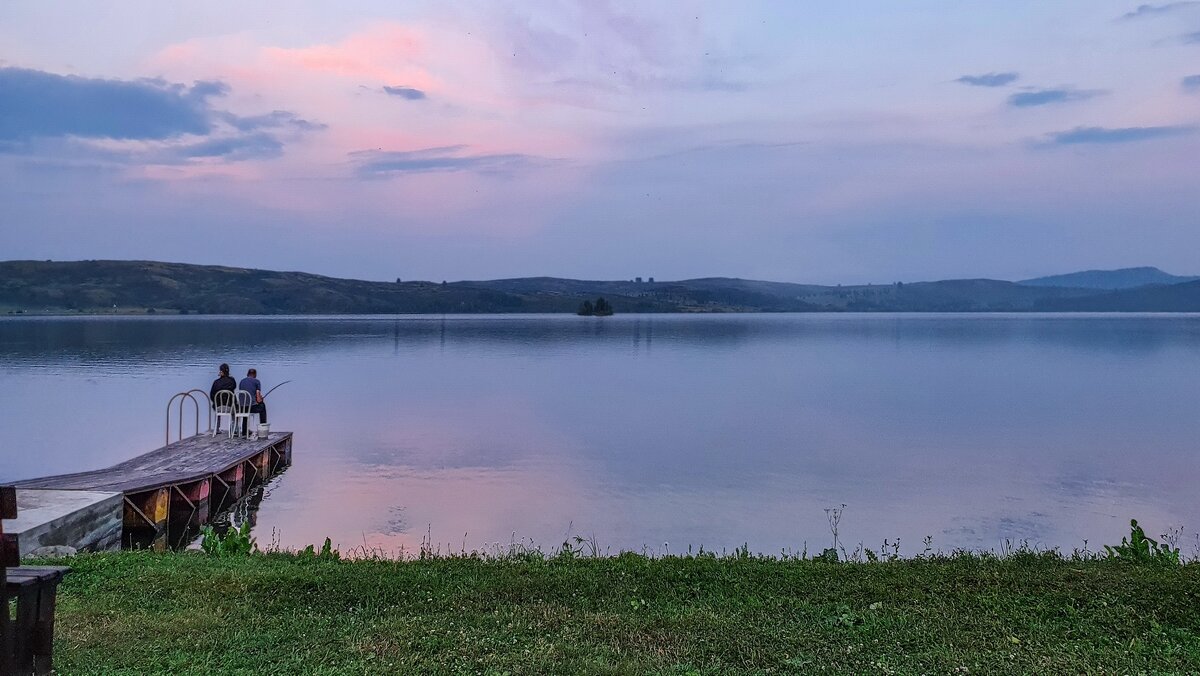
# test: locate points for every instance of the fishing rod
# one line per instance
(275, 388)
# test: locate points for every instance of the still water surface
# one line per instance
(648, 430)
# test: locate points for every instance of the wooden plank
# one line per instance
(28, 639)
(161, 506)
(181, 462)
(10, 550)
(6, 630)
(32, 576)
(43, 629)
(8, 503)
(22, 627)
(8, 509)
(6, 634)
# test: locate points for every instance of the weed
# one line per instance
(844, 616)
(1137, 548)
(890, 550)
(834, 515)
(235, 541)
(327, 553)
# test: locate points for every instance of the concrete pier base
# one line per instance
(85, 520)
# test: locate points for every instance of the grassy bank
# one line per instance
(189, 612)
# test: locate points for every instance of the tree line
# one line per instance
(601, 308)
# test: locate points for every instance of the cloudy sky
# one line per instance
(796, 141)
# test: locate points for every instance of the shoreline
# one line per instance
(166, 314)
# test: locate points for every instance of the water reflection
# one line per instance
(713, 430)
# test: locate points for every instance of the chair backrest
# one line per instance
(224, 401)
(244, 401)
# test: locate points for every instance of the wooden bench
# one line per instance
(26, 638)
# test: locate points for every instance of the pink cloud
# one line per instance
(471, 101)
(385, 54)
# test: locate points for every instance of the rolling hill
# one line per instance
(1111, 280)
(156, 287)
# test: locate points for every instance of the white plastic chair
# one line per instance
(224, 404)
(242, 410)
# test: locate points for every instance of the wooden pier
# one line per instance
(183, 483)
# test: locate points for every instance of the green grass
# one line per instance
(191, 613)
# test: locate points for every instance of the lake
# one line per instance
(654, 432)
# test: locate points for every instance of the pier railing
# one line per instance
(184, 397)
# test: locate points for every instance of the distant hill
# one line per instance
(119, 286)
(149, 286)
(143, 286)
(1172, 298)
(1125, 278)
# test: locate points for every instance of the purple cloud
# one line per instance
(1044, 97)
(1153, 10)
(276, 119)
(258, 145)
(65, 115)
(408, 93)
(989, 79)
(1103, 135)
(381, 163)
(37, 104)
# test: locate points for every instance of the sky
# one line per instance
(872, 141)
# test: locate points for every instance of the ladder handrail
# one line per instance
(210, 408)
(181, 396)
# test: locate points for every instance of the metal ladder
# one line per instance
(182, 397)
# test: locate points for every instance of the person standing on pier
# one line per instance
(258, 405)
(223, 382)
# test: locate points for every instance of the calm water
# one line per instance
(647, 430)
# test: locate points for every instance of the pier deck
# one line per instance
(181, 483)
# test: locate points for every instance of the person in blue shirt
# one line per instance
(257, 404)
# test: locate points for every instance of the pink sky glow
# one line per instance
(471, 139)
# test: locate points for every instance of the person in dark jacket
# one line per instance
(223, 382)
(251, 385)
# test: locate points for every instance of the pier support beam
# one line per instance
(263, 462)
(190, 503)
(235, 479)
(152, 510)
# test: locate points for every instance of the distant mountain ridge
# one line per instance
(154, 287)
(1111, 280)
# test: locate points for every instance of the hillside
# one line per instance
(135, 286)
(1174, 298)
(1110, 280)
(148, 286)
(91, 286)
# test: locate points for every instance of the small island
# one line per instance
(601, 308)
